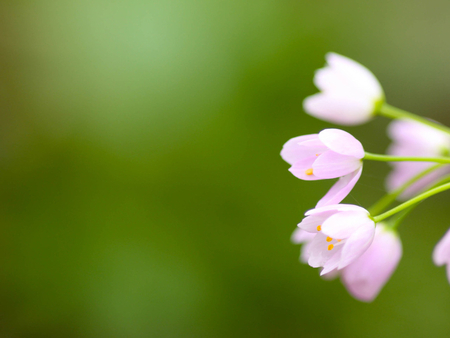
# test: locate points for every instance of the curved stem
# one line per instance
(391, 197)
(396, 222)
(412, 201)
(388, 158)
(396, 113)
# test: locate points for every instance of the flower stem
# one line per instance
(396, 222)
(396, 113)
(412, 201)
(391, 197)
(388, 158)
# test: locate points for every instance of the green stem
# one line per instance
(388, 158)
(412, 201)
(396, 222)
(396, 113)
(391, 197)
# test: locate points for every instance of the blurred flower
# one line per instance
(343, 232)
(350, 93)
(332, 153)
(301, 236)
(366, 276)
(415, 139)
(441, 253)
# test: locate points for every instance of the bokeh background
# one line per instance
(141, 189)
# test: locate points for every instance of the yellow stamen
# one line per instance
(317, 154)
(339, 240)
(319, 228)
(309, 171)
(331, 246)
(329, 239)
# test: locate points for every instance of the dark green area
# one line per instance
(142, 192)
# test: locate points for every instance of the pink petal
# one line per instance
(340, 189)
(312, 143)
(404, 171)
(310, 223)
(410, 149)
(343, 110)
(335, 208)
(333, 274)
(333, 165)
(292, 152)
(417, 135)
(448, 272)
(301, 168)
(318, 253)
(441, 253)
(341, 142)
(332, 263)
(366, 276)
(345, 224)
(357, 243)
(301, 236)
(305, 252)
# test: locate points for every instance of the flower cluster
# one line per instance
(414, 139)
(345, 240)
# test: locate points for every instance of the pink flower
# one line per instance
(350, 92)
(441, 253)
(301, 236)
(342, 233)
(415, 139)
(332, 153)
(366, 276)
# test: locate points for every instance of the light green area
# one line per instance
(389, 158)
(396, 113)
(142, 191)
(411, 202)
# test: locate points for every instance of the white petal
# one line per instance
(335, 208)
(310, 223)
(331, 81)
(318, 252)
(357, 243)
(356, 75)
(344, 224)
(333, 262)
(345, 110)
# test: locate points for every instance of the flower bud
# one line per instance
(350, 93)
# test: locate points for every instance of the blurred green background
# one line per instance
(142, 191)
